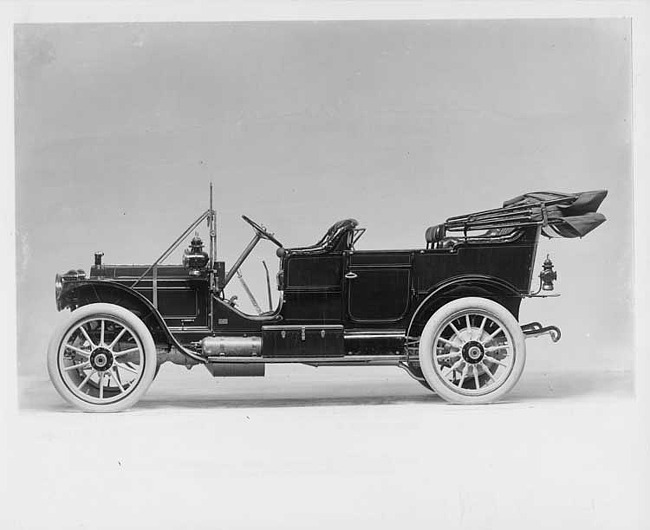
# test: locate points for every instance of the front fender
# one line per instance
(84, 292)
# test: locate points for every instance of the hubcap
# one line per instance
(473, 352)
(101, 359)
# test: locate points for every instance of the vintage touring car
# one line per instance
(447, 313)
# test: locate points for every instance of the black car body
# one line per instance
(338, 306)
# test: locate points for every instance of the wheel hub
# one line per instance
(101, 359)
(473, 352)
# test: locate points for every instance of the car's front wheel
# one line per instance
(472, 351)
(102, 358)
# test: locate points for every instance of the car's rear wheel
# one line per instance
(472, 351)
(102, 358)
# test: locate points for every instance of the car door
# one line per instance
(313, 288)
(378, 285)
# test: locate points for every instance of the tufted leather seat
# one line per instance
(334, 238)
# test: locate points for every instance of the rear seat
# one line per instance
(436, 238)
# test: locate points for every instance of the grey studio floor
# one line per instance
(313, 448)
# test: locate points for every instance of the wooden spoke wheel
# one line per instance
(472, 351)
(102, 359)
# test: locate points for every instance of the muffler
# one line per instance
(231, 346)
(224, 347)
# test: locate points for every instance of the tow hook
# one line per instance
(535, 329)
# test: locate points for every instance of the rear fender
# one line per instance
(454, 288)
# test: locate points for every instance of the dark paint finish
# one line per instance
(510, 262)
(291, 341)
(183, 300)
(329, 287)
(378, 294)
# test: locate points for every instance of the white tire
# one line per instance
(472, 351)
(102, 358)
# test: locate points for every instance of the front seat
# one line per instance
(334, 239)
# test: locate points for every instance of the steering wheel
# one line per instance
(261, 231)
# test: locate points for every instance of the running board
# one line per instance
(385, 360)
(535, 329)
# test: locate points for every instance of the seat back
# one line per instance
(434, 234)
(334, 239)
(436, 237)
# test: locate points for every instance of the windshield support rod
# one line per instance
(249, 248)
(173, 246)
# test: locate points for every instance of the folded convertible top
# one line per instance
(559, 214)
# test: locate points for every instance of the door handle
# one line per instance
(351, 276)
